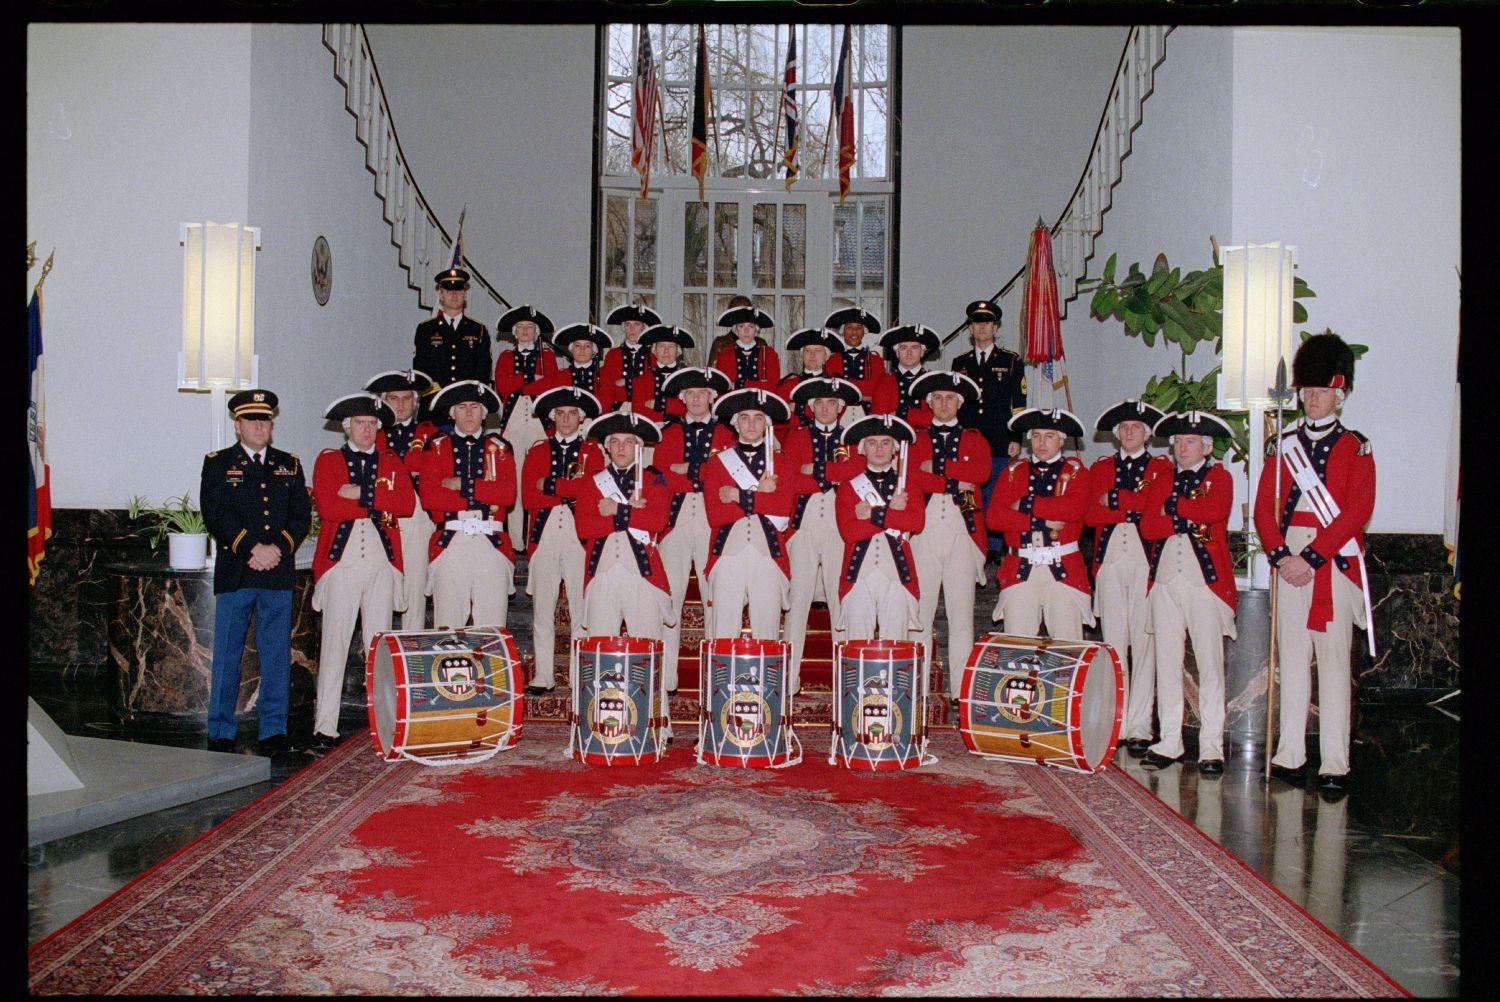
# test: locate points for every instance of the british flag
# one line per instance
(789, 159)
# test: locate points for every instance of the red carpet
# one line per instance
(533, 874)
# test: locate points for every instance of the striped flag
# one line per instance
(38, 486)
(458, 241)
(789, 110)
(703, 99)
(644, 95)
(843, 115)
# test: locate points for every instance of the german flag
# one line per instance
(703, 99)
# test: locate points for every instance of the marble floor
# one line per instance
(1378, 867)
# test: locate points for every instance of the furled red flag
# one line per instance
(644, 96)
(38, 482)
(703, 99)
(789, 108)
(1041, 321)
(843, 115)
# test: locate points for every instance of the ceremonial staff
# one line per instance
(1281, 395)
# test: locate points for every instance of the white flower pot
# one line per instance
(187, 551)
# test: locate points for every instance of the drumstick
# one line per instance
(637, 470)
(901, 469)
(770, 461)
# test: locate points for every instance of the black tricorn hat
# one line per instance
(920, 333)
(563, 338)
(616, 422)
(360, 405)
(679, 336)
(879, 424)
(809, 390)
(749, 398)
(851, 315)
(633, 311)
(566, 396)
(415, 380)
(984, 309)
(695, 378)
(745, 315)
(253, 404)
(1041, 419)
(452, 278)
(515, 315)
(463, 391)
(1193, 423)
(953, 382)
(1129, 409)
(813, 335)
(1324, 360)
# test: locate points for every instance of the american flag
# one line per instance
(644, 95)
(38, 481)
(789, 108)
(843, 115)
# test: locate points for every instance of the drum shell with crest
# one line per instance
(618, 715)
(879, 704)
(746, 718)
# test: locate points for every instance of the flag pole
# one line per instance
(1273, 662)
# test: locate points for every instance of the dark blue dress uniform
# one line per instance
(245, 503)
(1002, 392)
(449, 354)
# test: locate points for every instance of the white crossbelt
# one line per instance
(746, 481)
(470, 524)
(1046, 555)
(864, 487)
(607, 486)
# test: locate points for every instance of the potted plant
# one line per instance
(181, 523)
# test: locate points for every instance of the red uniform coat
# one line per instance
(1102, 476)
(643, 399)
(423, 434)
(874, 369)
(797, 452)
(670, 452)
(541, 490)
(856, 530)
(509, 383)
(604, 389)
(768, 367)
(972, 466)
(1350, 478)
(1068, 504)
(594, 528)
(394, 497)
(887, 398)
(613, 368)
(781, 501)
(1212, 507)
(495, 492)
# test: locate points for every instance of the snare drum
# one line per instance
(443, 697)
(1052, 702)
(879, 705)
(618, 711)
(746, 718)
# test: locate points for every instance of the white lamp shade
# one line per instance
(218, 305)
(1257, 323)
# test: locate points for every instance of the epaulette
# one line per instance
(212, 455)
(1073, 461)
(1365, 447)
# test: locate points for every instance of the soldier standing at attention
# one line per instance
(451, 346)
(1001, 378)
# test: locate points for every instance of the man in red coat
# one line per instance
(519, 372)
(877, 515)
(551, 476)
(949, 466)
(1039, 506)
(1118, 486)
(749, 361)
(627, 367)
(854, 360)
(361, 491)
(1192, 590)
(402, 391)
(468, 483)
(814, 347)
(583, 343)
(651, 400)
(1316, 544)
(749, 497)
(910, 343)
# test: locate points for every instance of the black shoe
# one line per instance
(1136, 746)
(538, 690)
(276, 744)
(322, 744)
(1211, 767)
(221, 744)
(1289, 775)
(1151, 760)
(1333, 784)
(671, 692)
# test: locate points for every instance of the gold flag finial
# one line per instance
(46, 268)
(31, 255)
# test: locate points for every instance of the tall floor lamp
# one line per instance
(218, 314)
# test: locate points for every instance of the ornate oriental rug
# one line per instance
(534, 874)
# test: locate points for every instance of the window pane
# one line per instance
(845, 245)
(794, 310)
(872, 145)
(871, 45)
(726, 243)
(645, 244)
(695, 244)
(696, 319)
(794, 246)
(616, 240)
(763, 245)
(617, 126)
(872, 247)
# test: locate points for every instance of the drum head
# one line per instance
(382, 693)
(1099, 710)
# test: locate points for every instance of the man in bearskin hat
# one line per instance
(1316, 545)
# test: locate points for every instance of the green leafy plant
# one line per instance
(176, 514)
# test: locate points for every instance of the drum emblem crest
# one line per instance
(878, 721)
(455, 677)
(612, 713)
(743, 719)
(1017, 697)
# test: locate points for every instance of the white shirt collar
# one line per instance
(824, 427)
(570, 439)
(1137, 454)
(945, 424)
(909, 372)
(1195, 467)
(1048, 462)
(354, 448)
(453, 320)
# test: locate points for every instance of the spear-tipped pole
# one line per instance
(1281, 394)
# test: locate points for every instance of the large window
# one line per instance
(795, 249)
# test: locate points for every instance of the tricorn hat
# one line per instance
(694, 378)
(851, 315)
(563, 338)
(1193, 423)
(508, 320)
(813, 335)
(1324, 360)
(631, 424)
(253, 404)
(750, 398)
(565, 396)
(679, 336)
(953, 382)
(360, 405)
(633, 311)
(463, 391)
(415, 380)
(879, 424)
(809, 390)
(1040, 418)
(745, 315)
(919, 333)
(1129, 409)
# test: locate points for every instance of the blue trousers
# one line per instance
(998, 463)
(272, 608)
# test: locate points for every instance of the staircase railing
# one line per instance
(423, 245)
(1082, 221)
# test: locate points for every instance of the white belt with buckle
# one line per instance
(1046, 554)
(473, 526)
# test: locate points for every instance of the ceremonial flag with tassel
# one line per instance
(1041, 320)
(843, 115)
(703, 99)
(38, 480)
(789, 159)
(644, 96)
